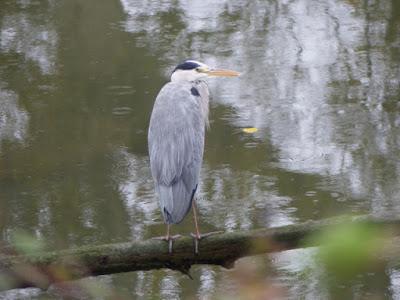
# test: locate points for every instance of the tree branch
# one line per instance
(43, 269)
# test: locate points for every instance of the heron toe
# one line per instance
(197, 237)
(169, 239)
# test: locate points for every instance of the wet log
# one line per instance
(43, 269)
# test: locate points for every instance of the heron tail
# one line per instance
(175, 201)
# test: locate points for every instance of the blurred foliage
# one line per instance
(252, 279)
(6, 281)
(25, 243)
(349, 248)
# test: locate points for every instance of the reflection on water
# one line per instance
(13, 120)
(252, 200)
(36, 42)
(320, 80)
(309, 71)
(395, 283)
(133, 179)
(297, 264)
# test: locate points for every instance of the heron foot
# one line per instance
(169, 239)
(197, 237)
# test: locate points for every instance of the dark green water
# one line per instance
(321, 82)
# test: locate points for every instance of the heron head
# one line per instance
(192, 70)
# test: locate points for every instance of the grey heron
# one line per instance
(176, 141)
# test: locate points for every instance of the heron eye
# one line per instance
(198, 69)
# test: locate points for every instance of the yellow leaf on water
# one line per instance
(250, 129)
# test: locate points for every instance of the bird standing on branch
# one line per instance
(176, 141)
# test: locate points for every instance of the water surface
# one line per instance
(320, 80)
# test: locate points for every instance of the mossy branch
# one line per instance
(43, 269)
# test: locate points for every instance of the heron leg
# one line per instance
(198, 236)
(168, 238)
(195, 220)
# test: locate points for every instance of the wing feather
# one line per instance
(176, 145)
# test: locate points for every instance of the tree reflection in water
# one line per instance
(320, 81)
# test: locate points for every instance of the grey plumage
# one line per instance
(176, 145)
(176, 140)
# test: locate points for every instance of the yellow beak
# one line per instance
(222, 73)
